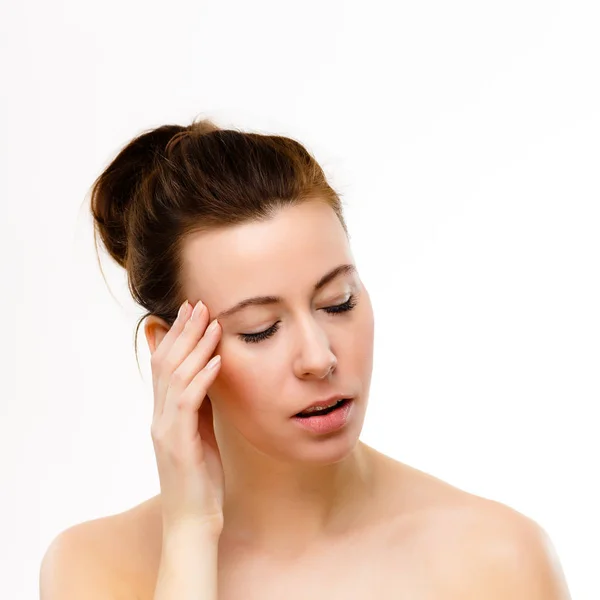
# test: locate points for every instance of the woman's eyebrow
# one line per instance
(263, 300)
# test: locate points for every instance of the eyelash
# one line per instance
(254, 338)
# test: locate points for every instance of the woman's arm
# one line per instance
(188, 565)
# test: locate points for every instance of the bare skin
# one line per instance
(417, 537)
(308, 516)
(285, 486)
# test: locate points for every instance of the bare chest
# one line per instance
(360, 570)
(325, 582)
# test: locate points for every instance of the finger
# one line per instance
(196, 360)
(187, 334)
(158, 358)
(182, 415)
(197, 357)
(175, 330)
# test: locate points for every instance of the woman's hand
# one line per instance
(187, 455)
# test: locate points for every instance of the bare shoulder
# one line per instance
(482, 548)
(473, 547)
(501, 553)
(96, 558)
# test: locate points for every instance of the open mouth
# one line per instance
(325, 411)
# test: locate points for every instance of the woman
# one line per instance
(260, 498)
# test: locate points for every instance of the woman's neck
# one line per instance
(285, 508)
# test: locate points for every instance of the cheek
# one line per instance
(244, 380)
(365, 323)
(360, 347)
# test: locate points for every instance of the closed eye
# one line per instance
(253, 338)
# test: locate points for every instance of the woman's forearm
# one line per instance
(188, 565)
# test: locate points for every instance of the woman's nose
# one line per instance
(315, 356)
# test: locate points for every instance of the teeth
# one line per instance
(314, 408)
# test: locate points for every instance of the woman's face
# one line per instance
(278, 358)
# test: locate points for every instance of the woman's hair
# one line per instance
(172, 181)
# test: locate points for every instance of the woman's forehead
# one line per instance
(293, 250)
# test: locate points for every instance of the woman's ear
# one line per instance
(155, 330)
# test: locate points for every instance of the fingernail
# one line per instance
(213, 362)
(182, 310)
(197, 310)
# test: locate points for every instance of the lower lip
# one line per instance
(332, 421)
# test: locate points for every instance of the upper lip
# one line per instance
(326, 401)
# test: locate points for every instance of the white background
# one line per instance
(464, 138)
